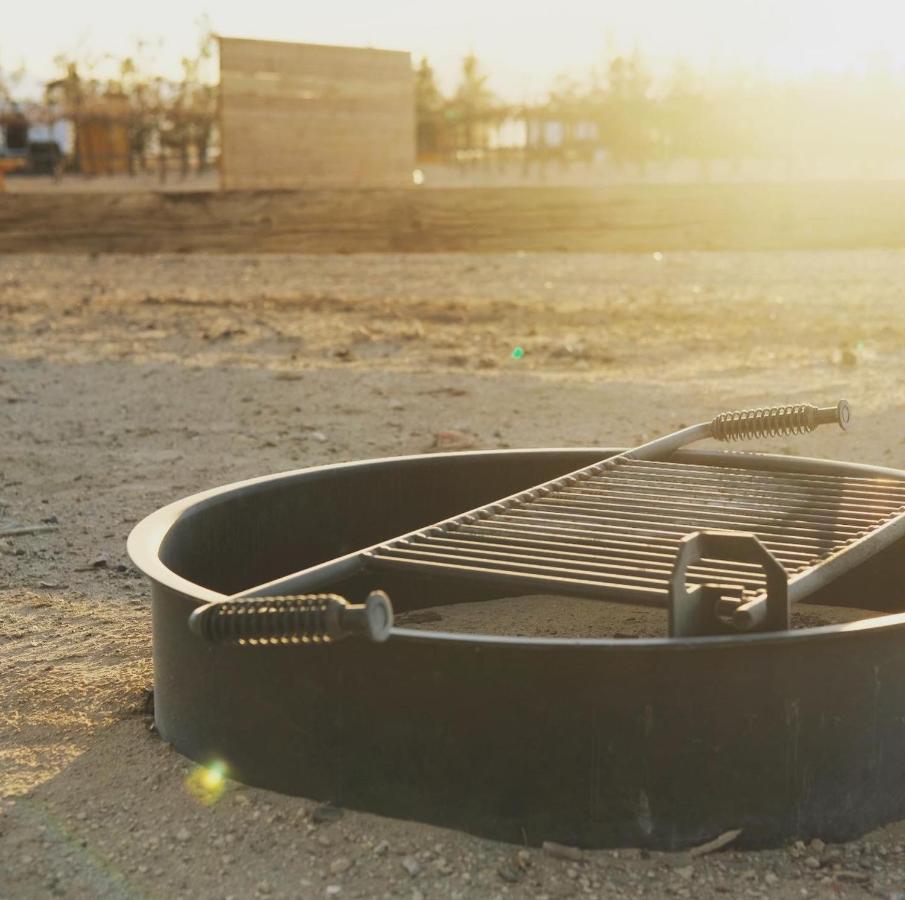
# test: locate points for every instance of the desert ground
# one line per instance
(127, 381)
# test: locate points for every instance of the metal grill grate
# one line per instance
(720, 546)
(614, 533)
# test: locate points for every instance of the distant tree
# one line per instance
(9, 82)
(428, 108)
(473, 103)
(627, 110)
(194, 106)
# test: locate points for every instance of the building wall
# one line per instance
(306, 115)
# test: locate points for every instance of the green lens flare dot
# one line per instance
(518, 353)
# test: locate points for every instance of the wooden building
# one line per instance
(307, 115)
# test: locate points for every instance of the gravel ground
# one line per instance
(126, 382)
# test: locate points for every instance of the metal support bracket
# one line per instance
(694, 612)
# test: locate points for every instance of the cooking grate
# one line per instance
(615, 534)
(720, 546)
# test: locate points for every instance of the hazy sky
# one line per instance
(523, 43)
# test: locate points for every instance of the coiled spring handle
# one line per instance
(302, 619)
(778, 421)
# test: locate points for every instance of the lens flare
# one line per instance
(207, 783)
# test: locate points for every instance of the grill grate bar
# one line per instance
(626, 542)
(843, 510)
(835, 484)
(731, 571)
(553, 575)
(587, 587)
(700, 519)
(793, 518)
(661, 529)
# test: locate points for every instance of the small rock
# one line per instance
(561, 851)
(411, 865)
(848, 357)
(397, 404)
(685, 872)
(726, 838)
(524, 859)
(340, 864)
(771, 878)
(333, 890)
(326, 812)
(508, 873)
(817, 845)
(452, 440)
(812, 862)
(382, 848)
(852, 877)
(319, 436)
(183, 835)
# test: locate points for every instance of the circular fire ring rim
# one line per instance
(594, 743)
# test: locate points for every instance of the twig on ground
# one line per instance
(27, 529)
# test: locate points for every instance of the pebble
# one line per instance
(382, 848)
(853, 877)
(508, 873)
(411, 865)
(340, 864)
(333, 890)
(561, 851)
(812, 862)
(183, 835)
(326, 812)
(319, 436)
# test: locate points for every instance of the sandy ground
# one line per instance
(126, 382)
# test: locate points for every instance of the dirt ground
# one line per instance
(128, 381)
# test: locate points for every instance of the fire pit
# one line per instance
(733, 720)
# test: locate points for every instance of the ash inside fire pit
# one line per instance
(549, 616)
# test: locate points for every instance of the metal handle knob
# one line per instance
(300, 619)
(778, 421)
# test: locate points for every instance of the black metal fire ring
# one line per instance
(660, 743)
